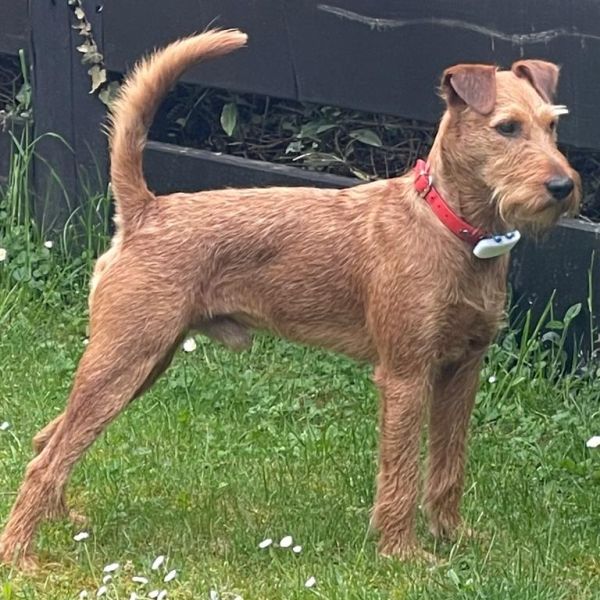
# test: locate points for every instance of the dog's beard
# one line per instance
(531, 215)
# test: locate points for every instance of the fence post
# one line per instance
(70, 155)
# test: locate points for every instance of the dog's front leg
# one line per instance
(451, 407)
(403, 398)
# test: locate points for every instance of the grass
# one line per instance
(228, 449)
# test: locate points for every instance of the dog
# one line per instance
(408, 274)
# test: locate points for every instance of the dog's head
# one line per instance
(500, 129)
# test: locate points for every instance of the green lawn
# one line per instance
(227, 450)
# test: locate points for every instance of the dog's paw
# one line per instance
(78, 518)
(59, 511)
(13, 556)
(409, 552)
(447, 527)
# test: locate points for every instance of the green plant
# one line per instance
(49, 267)
(105, 89)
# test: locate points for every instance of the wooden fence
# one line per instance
(383, 56)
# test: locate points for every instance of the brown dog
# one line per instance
(384, 272)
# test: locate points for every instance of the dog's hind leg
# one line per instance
(60, 509)
(42, 437)
(133, 336)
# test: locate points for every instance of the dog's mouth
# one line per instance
(537, 215)
(541, 216)
(535, 205)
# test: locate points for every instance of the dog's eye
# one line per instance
(552, 126)
(509, 128)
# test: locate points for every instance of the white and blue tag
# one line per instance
(496, 245)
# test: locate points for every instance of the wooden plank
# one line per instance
(561, 265)
(172, 168)
(54, 167)
(14, 26)
(388, 56)
(264, 69)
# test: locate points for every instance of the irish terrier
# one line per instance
(408, 274)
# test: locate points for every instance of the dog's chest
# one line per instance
(470, 323)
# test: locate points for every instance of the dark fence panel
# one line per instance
(14, 36)
(14, 26)
(384, 56)
(71, 150)
(266, 67)
(173, 168)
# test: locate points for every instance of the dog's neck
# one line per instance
(454, 179)
(471, 202)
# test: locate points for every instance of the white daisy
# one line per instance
(82, 535)
(139, 579)
(286, 541)
(162, 595)
(48, 244)
(111, 568)
(153, 594)
(593, 442)
(297, 549)
(133, 596)
(101, 591)
(189, 345)
(106, 578)
(2, 254)
(4, 425)
(310, 582)
(170, 576)
(158, 561)
(83, 594)
(214, 595)
(492, 379)
(265, 543)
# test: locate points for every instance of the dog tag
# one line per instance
(496, 245)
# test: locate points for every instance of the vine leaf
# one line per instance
(109, 93)
(86, 47)
(98, 75)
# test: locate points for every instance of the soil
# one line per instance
(321, 138)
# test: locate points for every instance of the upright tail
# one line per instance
(133, 111)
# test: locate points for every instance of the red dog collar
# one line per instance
(459, 227)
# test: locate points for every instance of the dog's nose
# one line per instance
(560, 187)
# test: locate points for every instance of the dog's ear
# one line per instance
(542, 75)
(470, 85)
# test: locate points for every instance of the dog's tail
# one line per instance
(133, 111)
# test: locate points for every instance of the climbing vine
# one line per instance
(91, 55)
